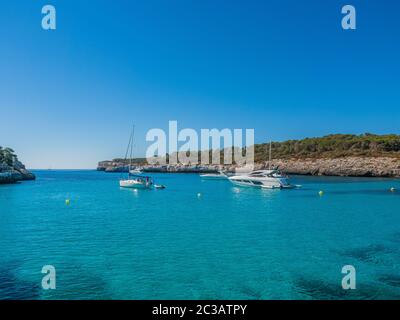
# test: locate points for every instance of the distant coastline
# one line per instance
(365, 155)
(344, 167)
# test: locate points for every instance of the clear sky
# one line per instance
(285, 68)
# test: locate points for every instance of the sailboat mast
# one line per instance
(270, 153)
(131, 153)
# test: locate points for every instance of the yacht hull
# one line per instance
(265, 185)
(133, 184)
(213, 177)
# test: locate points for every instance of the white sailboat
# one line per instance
(134, 181)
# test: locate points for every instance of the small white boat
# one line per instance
(136, 171)
(136, 182)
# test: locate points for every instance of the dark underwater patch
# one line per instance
(371, 254)
(13, 288)
(322, 290)
(251, 293)
(74, 282)
(319, 290)
(390, 280)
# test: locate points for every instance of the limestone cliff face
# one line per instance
(112, 166)
(346, 166)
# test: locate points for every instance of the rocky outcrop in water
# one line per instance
(12, 170)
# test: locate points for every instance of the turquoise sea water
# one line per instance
(229, 243)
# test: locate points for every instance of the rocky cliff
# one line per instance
(365, 155)
(14, 173)
(346, 166)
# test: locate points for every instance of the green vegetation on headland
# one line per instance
(332, 146)
(11, 169)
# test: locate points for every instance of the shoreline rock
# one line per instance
(15, 173)
(344, 167)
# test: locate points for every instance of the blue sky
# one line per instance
(285, 68)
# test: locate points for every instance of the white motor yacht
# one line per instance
(270, 179)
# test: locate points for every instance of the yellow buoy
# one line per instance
(67, 202)
(321, 193)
